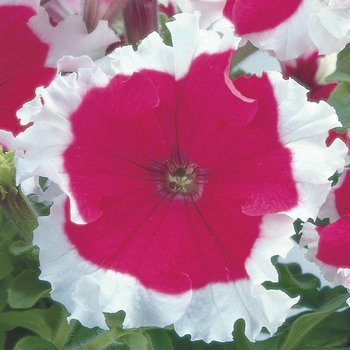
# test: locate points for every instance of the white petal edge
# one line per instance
(7, 140)
(303, 128)
(88, 290)
(45, 141)
(70, 37)
(208, 313)
(214, 309)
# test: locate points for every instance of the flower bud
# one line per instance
(140, 19)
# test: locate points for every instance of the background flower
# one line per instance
(277, 26)
(328, 246)
(310, 70)
(30, 48)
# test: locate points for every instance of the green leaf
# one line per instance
(273, 343)
(333, 331)
(7, 229)
(308, 321)
(33, 320)
(26, 289)
(294, 283)
(80, 337)
(136, 341)
(4, 284)
(21, 247)
(320, 348)
(6, 266)
(159, 339)
(115, 320)
(340, 100)
(164, 31)
(2, 340)
(241, 341)
(342, 72)
(34, 343)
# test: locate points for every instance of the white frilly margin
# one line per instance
(70, 37)
(87, 290)
(303, 128)
(208, 313)
(45, 141)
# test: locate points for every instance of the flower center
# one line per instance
(180, 178)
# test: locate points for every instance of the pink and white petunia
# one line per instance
(328, 247)
(310, 70)
(30, 48)
(180, 185)
(286, 28)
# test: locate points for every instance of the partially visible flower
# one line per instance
(286, 28)
(310, 70)
(30, 48)
(329, 246)
(292, 28)
(180, 184)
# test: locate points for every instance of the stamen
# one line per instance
(179, 179)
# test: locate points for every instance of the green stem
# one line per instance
(242, 53)
(64, 332)
(103, 340)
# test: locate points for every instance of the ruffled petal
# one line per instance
(7, 140)
(71, 37)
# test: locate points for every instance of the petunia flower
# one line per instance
(30, 48)
(286, 28)
(180, 185)
(310, 70)
(328, 247)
